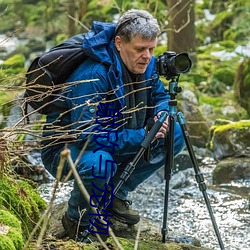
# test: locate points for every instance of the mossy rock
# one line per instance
(11, 237)
(231, 139)
(21, 199)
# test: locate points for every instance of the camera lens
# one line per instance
(171, 64)
(182, 63)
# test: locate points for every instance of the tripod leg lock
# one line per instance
(200, 180)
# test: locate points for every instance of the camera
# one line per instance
(171, 65)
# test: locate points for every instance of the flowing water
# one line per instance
(187, 212)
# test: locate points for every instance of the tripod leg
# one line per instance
(199, 176)
(168, 173)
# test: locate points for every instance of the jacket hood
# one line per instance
(98, 43)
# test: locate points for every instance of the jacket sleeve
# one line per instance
(83, 99)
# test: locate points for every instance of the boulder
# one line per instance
(231, 139)
(231, 169)
(230, 143)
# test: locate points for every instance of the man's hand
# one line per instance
(164, 128)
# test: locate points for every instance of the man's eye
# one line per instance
(139, 50)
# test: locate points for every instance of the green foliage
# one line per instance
(12, 67)
(17, 61)
(229, 23)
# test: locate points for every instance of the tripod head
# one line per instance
(174, 89)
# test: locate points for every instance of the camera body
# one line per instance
(171, 65)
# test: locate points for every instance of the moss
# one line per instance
(128, 244)
(214, 101)
(21, 199)
(9, 219)
(235, 125)
(13, 239)
(229, 45)
(16, 237)
(6, 243)
(225, 75)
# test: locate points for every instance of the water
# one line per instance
(187, 212)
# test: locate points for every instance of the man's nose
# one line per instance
(146, 54)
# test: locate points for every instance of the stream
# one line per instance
(187, 212)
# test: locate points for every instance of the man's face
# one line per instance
(137, 53)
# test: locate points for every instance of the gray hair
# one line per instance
(137, 22)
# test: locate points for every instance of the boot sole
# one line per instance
(122, 220)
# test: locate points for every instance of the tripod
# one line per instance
(169, 163)
(173, 90)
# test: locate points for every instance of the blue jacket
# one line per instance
(103, 69)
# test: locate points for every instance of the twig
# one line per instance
(77, 21)
(137, 236)
(66, 154)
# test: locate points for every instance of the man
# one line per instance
(108, 115)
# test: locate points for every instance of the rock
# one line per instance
(181, 179)
(231, 169)
(197, 125)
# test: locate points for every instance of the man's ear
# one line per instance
(118, 43)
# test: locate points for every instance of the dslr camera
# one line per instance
(171, 65)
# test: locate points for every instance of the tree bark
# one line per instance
(181, 27)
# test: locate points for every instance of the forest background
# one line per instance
(214, 33)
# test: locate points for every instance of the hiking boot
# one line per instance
(76, 232)
(122, 212)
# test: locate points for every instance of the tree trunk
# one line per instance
(83, 7)
(181, 27)
(71, 6)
